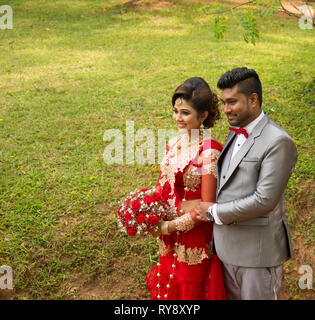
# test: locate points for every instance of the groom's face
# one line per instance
(237, 107)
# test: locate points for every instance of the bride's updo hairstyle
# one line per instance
(197, 93)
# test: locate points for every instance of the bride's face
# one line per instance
(185, 116)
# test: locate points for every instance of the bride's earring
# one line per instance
(202, 127)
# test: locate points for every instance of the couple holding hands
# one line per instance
(226, 236)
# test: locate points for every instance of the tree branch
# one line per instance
(294, 14)
(287, 11)
(239, 5)
(293, 5)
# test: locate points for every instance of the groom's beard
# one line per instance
(240, 120)
(237, 121)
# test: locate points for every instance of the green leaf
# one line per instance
(219, 27)
(266, 8)
(249, 24)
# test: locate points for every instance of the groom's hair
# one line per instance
(247, 81)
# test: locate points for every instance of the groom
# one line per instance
(251, 235)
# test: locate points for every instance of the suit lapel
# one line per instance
(229, 139)
(237, 158)
(222, 154)
(243, 150)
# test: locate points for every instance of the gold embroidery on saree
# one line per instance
(191, 256)
(163, 250)
(192, 179)
(184, 222)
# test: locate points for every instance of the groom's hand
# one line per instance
(201, 210)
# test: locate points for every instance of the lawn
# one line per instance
(69, 71)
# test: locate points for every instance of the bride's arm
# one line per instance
(158, 185)
(208, 193)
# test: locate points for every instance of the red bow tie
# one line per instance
(240, 131)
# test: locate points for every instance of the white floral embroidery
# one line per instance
(210, 161)
(181, 152)
(173, 161)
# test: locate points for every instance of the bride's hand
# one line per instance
(156, 231)
(163, 227)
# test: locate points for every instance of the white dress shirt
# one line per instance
(240, 139)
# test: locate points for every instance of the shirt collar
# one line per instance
(250, 127)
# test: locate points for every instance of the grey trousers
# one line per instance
(243, 283)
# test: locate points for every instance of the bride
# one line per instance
(187, 267)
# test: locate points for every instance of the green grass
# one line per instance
(70, 70)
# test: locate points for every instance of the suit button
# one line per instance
(223, 177)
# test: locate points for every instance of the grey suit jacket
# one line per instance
(250, 200)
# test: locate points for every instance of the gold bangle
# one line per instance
(164, 228)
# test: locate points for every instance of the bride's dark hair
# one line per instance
(199, 96)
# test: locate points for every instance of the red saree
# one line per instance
(187, 268)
